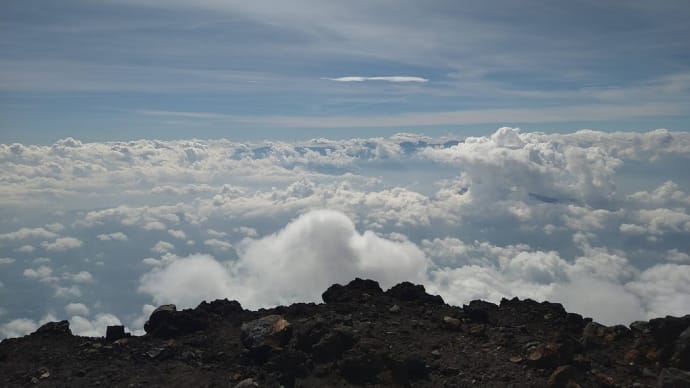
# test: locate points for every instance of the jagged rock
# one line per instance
(222, 307)
(407, 291)
(479, 310)
(114, 333)
(673, 378)
(666, 330)
(681, 352)
(271, 331)
(595, 334)
(333, 344)
(358, 340)
(167, 322)
(54, 328)
(356, 290)
(309, 333)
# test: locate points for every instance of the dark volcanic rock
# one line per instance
(409, 292)
(271, 331)
(54, 328)
(357, 338)
(167, 322)
(356, 290)
(222, 307)
(114, 333)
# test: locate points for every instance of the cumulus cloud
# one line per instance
(218, 245)
(510, 213)
(116, 236)
(25, 249)
(162, 247)
(6, 260)
(79, 277)
(95, 327)
(177, 233)
(62, 244)
(42, 273)
(23, 326)
(28, 233)
(380, 78)
(297, 263)
(77, 309)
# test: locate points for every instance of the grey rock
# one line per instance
(673, 378)
(271, 331)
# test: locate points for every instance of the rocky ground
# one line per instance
(360, 336)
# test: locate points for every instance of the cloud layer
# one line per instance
(511, 213)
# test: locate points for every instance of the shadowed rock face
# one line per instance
(361, 335)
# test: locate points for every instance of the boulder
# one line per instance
(167, 322)
(354, 291)
(479, 310)
(114, 333)
(54, 328)
(666, 330)
(681, 352)
(409, 292)
(269, 332)
(222, 307)
(673, 378)
(549, 355)
(333, 344)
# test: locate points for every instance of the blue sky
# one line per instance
(121, 69)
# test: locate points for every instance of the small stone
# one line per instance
(246, 383)
(673, 378)
(394, 309)
(452, 323)
(562, 377)
(516, 359)
(436, 354)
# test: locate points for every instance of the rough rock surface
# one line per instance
(357, 338)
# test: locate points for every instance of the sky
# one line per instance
(122, 69)
(159, 152)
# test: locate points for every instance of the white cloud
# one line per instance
(218, 245)
(77, 309)
(381, 78)
(162, 247)
(677, 256)
(23, 326)
(42, 273)
(6, 260)
(62, 244)
(28, 233)
(92, 328)
(17, 328)
(246, 231)
(116, 236)
(79, 277)
(296, 264)
(55, 227)
(25, 249)
(72, 291)
(177, 234)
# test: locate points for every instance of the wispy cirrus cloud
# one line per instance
(395, 78)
